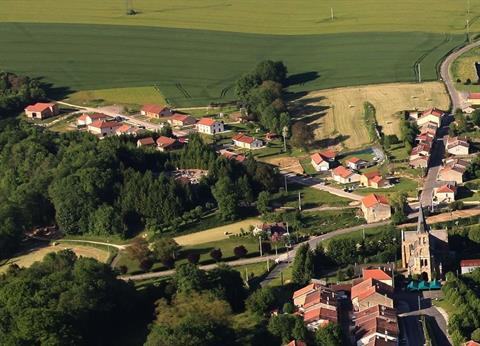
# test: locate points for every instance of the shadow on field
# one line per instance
(327, 142)
(302, 78)
(55, 92)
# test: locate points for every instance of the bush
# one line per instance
(288, 308)
(468, 81)
(146, 264)
(216, 254)
(240, 251)
(459, 80)
(193, 257)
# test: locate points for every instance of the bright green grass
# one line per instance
(406, 185)
(320, 222)
(256, 16)
(310, 198)
(194, 67)
(463, 68)
(135, 95)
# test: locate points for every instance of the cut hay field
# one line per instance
(194, 67)
(342, 125)
(26, 260)
(216, 234)
(256, 16)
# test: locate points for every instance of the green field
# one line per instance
(194, 67)
(463, 68)
(256, 16)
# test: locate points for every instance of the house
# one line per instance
(378, 274)
(322, 296)
(375, 208)
(269, 229)
(420, 156)
(103, 128)
(425, 138)
(344, 175)
(445, 193)
(420, 162)
(371, 292)
(453, 170)
(356, 163)
(319, 317)
(145, 142)
(468, 266)
(329, 155)
(433, 115)
(373, 179)
(424, 250)
(232, 156)
(429, 128)
(412, 115)
(474, 99)
(457, 145)
(319, 163)
(167, 143)
(86, 119)
(181, 120)
(377, 331)
(155, 111)
(243, 141)
(300, 295)
(210, 126)
(126, 129)
(41, 110)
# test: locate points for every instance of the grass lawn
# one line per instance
(37, 254)
(217, 233)
(194, 67)
(310, 197)
(286, 17)
(406, 185)
(464, 68)
(321, 222)
(398, 152)
(134, 95)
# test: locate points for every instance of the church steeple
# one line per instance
(422, 226)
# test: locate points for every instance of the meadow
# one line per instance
(194, 67)
(256, 16)
(463, 68)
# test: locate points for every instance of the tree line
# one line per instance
(105, 187)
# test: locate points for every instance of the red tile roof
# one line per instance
(377, 274)
(317, 158)
(433, 111)
(39, 107)
(474, 96)
(470, 263)
(146, 141)
(368, 287)
(373, 199)
(320, 313)
(181, 117)
(240, 137)
(447, 188)
(104, 124)
(207, 121)
(342, 172)
(151, 108)
(328, 154)
(82, 117)
(377, 179)
(164, 142)
(304, 290)
(354, 160)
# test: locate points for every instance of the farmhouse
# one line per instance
(126, 129)
(232, 156)
(424, 250)
(41, 110)
(155, 111)
(210, 126)
(167, 143)
(103, 128)
(329, 155)
(468, 266)
(445, 193)
(243, 141)
(87, 119)
(433, 115)
(453, 170)
(145, 142)
(373, 179)
(356, 163)
(344, 175)
(375, 208)
(319, 163)
(474, 99)
(180, 120)
(457, 145)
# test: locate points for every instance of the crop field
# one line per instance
(256, 16)
(135, 95)
(337, 114)
(26, 260)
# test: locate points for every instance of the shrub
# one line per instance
(240, 251)
(459, 80)
(146, 264)
(216, 254)
(468, 81)
(193, 257)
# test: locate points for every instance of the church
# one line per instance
(424, 251)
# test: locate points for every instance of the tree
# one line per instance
(216, 254)
(146, 264)
(476, 117)
(189, 278)
(287, 327)
(227, 283)
(193, 257)
(240, 251)
(106, 221)
(226, 196)
(138, 249)
(263, 202)
(164, 248)
(330, 335)
(476, 335)
(288, 308)
(302, 135)
(298, 270)
(261, 301)
(272, 71)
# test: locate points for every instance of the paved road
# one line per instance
(130, 119)
(435, 163)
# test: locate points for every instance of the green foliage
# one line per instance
(288, 308)
(303, 265)
(261, 301)
(288, 327)
(263, 201)
(165, 248)
(189, 278)
(408, 133)
(330, 335)
(302, 135)
(370, 120)
(63, 301)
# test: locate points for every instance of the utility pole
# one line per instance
(284, 134)
(363, 233)
(331, 13)
(268, 265)
(419, 72)
(299, 201)
(260, 245)
(419, 304)
(285, 179)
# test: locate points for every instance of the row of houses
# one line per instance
(373, 320)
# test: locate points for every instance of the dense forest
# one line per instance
(109, 186)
